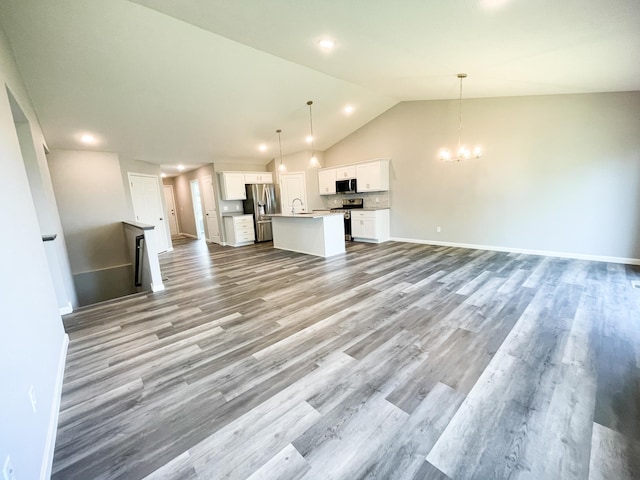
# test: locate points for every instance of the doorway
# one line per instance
(210, 211)
(170, 202)
(197, 208)
(293, 185)
(147, 204)
(46, 212)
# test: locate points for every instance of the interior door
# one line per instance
(170, 202)
(210, 210)
(147, 205)
(293, 185)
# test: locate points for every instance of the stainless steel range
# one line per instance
(348, 204)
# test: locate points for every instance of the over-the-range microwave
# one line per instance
(346, 186)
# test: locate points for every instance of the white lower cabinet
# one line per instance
(239, 230)
(370, 225)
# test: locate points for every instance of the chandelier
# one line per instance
(463, 153)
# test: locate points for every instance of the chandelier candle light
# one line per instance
(313, 161)
(463, 152)
(281, 167)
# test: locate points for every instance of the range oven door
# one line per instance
(347, 226)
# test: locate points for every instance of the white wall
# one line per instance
(93, 203)
(34, 342)
(559, 174)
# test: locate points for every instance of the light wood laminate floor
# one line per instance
(394, 361)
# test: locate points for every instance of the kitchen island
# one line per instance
(320, 234)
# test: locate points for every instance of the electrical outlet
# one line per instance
(438, 229)
(377, 200)
(225, 208)
(7, 470)
(237, 207)
(32, 397)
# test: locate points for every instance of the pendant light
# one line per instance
(463, 153)
(313, 161)
(281, 167)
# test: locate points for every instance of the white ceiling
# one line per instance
(209, 80)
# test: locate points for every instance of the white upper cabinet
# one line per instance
(232, 186)
(373, 176)
(345, 172)
(232, 183)
(258, 177)
(327, 181)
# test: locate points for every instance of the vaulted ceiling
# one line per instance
(210, 80)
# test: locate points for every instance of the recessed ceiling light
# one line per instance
(88, 138)
(163, 175)
(262, 147)
(309, 139)
(348, 109)
(327, 43)
(180, 167)
(491, 4)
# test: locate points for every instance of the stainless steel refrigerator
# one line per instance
(262, 200)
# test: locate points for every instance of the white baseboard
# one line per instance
(47, 460)
(189, 235)
(66, 310)
(157, 288)
(546, 253)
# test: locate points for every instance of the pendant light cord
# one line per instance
(460, 117)
(280, 145)
(311, 125)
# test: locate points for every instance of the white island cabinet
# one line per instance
(320, 234)
(370, 225)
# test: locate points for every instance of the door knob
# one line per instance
(160, 218)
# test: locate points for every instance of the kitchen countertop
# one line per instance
(304, 215)
(235, 214)
(372, 209)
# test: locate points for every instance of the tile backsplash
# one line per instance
(333, 201)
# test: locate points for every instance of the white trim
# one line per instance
(546, 253)
(66, 310)
(157, 288)
(47, 459)
(188, 235)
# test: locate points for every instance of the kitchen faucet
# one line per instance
(293, 203)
